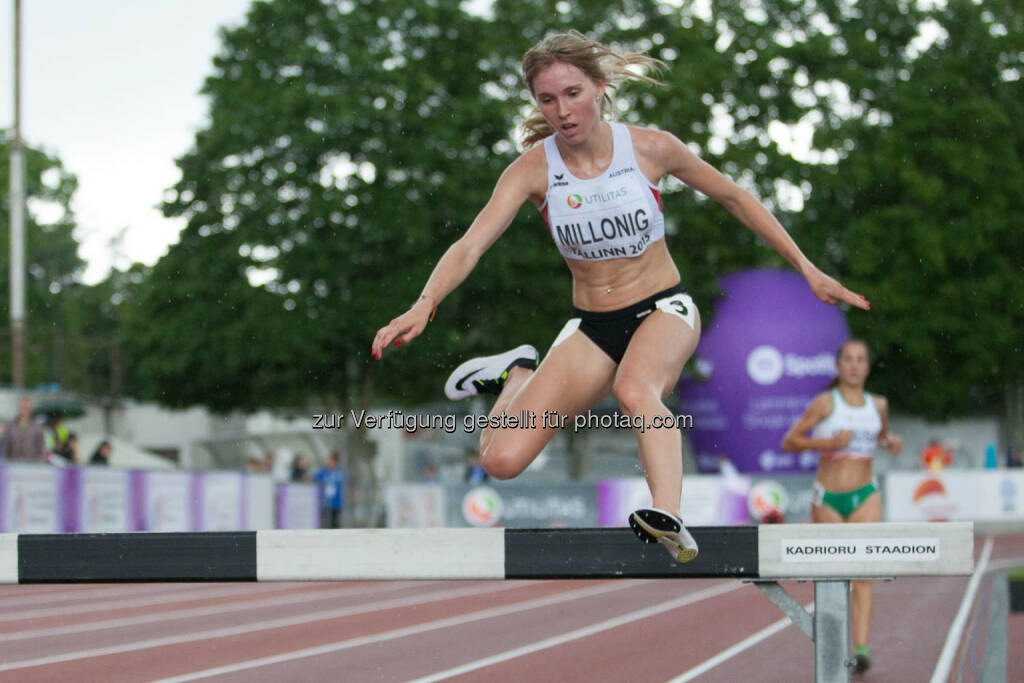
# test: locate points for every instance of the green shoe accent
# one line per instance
(861, 659)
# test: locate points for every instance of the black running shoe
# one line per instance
(652, 525)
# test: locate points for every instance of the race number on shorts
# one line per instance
(679, 305)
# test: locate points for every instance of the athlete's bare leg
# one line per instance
(517, 377)
(573, 377)
(862, 595)
(647, 374)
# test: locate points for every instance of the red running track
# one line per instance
(602, 630)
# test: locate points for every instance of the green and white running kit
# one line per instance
(866, 424)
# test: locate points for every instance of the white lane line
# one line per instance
(730, 652)
(945, 664)
(251, 627)
(582, 632)
(418, 629)
(148, 601)
(284, 600)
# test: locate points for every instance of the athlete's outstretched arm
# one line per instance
(675, 158)
(513, 188)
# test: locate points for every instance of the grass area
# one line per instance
(1016, 574)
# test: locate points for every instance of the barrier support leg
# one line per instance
(789, 606)
(829, 627)
(832, 662)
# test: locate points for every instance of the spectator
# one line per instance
(1014, 456)
(300, 469)
(475, 472)
(56, 435)
(101, 456)
(69, 449)
(331, 480)
(24, 438)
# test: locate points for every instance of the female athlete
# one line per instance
(633, 326)
(846, 425)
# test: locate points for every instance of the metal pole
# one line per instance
(831, 631)
(17, 221)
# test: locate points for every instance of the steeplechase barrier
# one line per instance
(829, 555)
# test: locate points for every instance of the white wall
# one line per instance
(967, 437)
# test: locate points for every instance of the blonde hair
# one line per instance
(597, 61)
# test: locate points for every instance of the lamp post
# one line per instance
(17, 220)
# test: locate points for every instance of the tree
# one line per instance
(918, 211)
(348, 145)
(195, 332)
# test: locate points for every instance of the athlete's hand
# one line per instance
(832, 292)
(842, 439)
(891, 443)
(402, 329)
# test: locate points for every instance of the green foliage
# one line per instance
(918, 212)
(348, 146)
(349, 143)
(211, 353)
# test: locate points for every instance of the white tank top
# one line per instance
(864, 421)
(615, 215)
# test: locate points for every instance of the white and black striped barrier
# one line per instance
(830, 555)
(762, 552)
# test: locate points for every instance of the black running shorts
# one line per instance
(612, 330)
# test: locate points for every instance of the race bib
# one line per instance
(680, 305)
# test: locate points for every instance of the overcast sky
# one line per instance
(111, 87)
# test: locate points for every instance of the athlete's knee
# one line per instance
(633, 394)
(503, 462)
